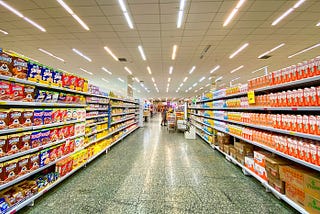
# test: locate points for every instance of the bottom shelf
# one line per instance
(42, 192)
(263, 182)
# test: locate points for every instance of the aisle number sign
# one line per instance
(251, 97)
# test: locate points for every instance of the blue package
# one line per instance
(34, 72)
(4, 206)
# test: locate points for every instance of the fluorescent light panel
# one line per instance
(149, 70)
(269, 51)
(81, 54)
(50, 54)
(153, 79)
(128, 70)
(111, 54)
(215, 69)
(4, 32)
(201, 79)
(192, 69)
(305, 50)
(285, 14)
(259, 69)
(235, 79)
(318, 25)
(88, 72)
(4, 4)
(169, 79)
(70, 11)
(143, 56)
(174, 52)
(120, 79)
(170, 70)
(236, 69)
(239, 50)
(185, 79)
(106, 70)
(219, 78)
(105, 80)
(195, 84)
(233, 13)
(180, 13)
(125, 13)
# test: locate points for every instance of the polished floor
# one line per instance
(153, 171)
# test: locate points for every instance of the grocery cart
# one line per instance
(171, 121)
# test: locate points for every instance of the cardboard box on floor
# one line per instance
(273, 164)
(243, 148)
(276, 183)
(260, 157)
(223, 139)
(226, 148)
(233, 152)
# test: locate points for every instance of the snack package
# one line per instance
(4, 118)
(35, 140)
(27, 118)
(53, 155)
(34, 161)
(5, 64)
(17, 92)
(71, 130)
(38, 117)
(19, 68)
(57, 79)
(40, 96)
(3, 146)
(55, 97)
(70, 98)
(80, 84)
(64, 115)
(29, 93)
(44, 157)
(34, 72)
(15, 118)
(62, 97)
(69, 114)
(4, 206)
(23, 164)
(54, 134)
(49, 97)
(66, 80)
(45, 137)
(47, 75)
(5, 90)
(25, 141)
(13, 144)
(55, 116)
(47, 116)
(73, 82)
(9, 170)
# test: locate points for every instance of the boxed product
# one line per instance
(15, 118)
(13, 144)
(5, 64)
(4, 118)
(35, 139)
(27, 118)
(44, 157)
(38, 117)
(260, 157)
(34, 161)
(249, 163)
(276, 183)
(17, 92)
(47, 75)
(311, 185)
(273, 164)
(232, 152)
(34, 72)
(295, 193)
(3, 146)
(293, 174)
(23, 164)
(240, 158)
(311, 204)
(5, 89)
(223, 138)
(19, 68)
(260, 171)
(9, 171)
(57, 78)
(226, 148)
(243, 148)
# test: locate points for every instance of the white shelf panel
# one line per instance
(203, 138)
(297, 134)
(97, 116)
(308, 108)
(202, 123)
(123, 100)
(38, 104)
(223, 97)
(302, 162)
(97, 109)
(117, 106)
(122, 120)
(120, 114)
(93, 124)
(33, 150)
(200, 128)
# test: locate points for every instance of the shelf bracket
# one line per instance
(245, 172)
(31, 204)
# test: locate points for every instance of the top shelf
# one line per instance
(294, 84)
(123, 100)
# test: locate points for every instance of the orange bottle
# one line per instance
(312, 124)
(306, 124)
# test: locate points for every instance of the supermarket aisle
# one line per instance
(153, 171)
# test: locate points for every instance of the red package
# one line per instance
(73, 82)
(25, 141)
(318, 95)
(66, 80)
(5, 90)
(19, 68)
(15, 118)
(294, 97)
(34, 161)
(307, 155)
(306, 69)
(54, 134)
(27, 118)
(13, 144)
(56, 116)
(64, 115)
(301, 150)
(313, 124)
(299, 71)
(23, 165)
(293, 73)
(60, 133)
(80, 84)
(71, 130)
(294, 123)
(29, 92)
(313, 153)
(300, 97)
(306, 124)
(318, 125)
(299, 124)
(17, 92)
(312, 68)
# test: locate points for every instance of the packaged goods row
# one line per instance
(93, 99)
(99, 107)
(96, 113)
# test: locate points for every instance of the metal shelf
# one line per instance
(203, 138)
(29, 151)
(223, 97)
(309, 108)
(202, 123)
(97, 116)
(45, 190)
(200, 128)
(302, 162)
(115, 106)
(121, 120)
(92, 124)
(38, 104)
(264, 183)
(97, 109)
(297, 134)
(123, 100)
(119, 114)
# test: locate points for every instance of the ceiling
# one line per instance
(155, 29)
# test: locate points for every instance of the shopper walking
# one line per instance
(164, 116)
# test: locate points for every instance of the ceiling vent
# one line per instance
(265, 57)
(122, 59)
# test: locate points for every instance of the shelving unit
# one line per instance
(195, 116)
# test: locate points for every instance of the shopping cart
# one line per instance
(171, 121)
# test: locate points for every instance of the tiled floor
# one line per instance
(153, 171)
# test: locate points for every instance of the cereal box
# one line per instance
(5, 64)
(4, 118)
(13, 144)
(5, 90)
(27, 118)
(25, 141)
(15, 118)
(17, 92)
(19, 68)
(34, 72)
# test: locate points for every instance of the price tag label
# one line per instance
(251, 97)
(3, 103)
(11, 79)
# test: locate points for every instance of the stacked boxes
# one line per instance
(223, 139)
(260, 163)
(243, 149)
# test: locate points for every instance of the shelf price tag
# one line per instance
(251, 97)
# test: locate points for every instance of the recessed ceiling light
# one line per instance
(149, 70)
(207, 85)
(153, 79)
(215, 69)
(236, 69)
(105, 80)
(106, 70)
(192, 69)
(233, 13)
(318, 25)
(4, 32)
(269, 51)
(81, 54)
(259, 69)
(305, 50)
(143, 56)
(50, 54)
(189, 88)
(219, 78)
(22, 16)
(84, 70)
(238, 51)
(181, 85)
(186, 91)
(195, 84)
(235, 79)
(69, 10)
(169, 79)
(170, 70)
(110, 52)
(174, 52)
(128, 70)
(125, 13)
(185, 79)
(137, 80)
(201, 79)
(180, 13)
(285, 14)
(200, 88)
(120, 79)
